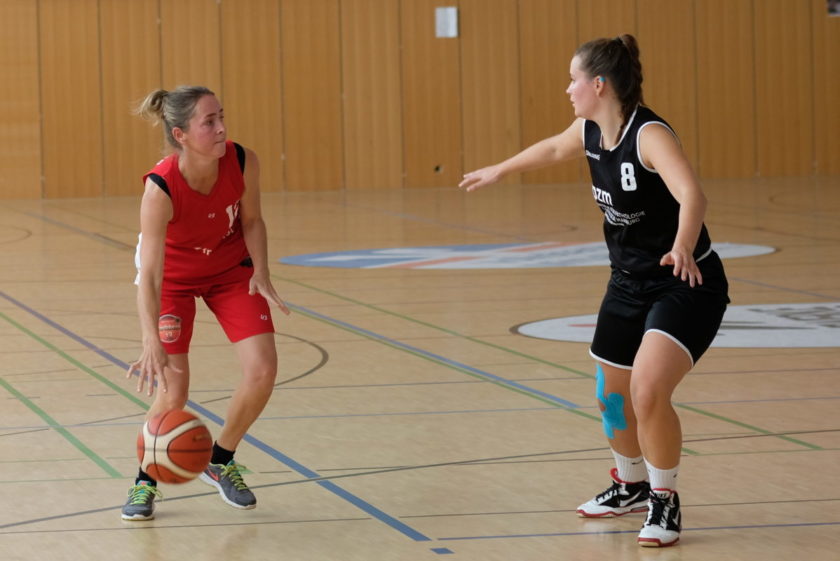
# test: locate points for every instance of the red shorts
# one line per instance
(240, 314)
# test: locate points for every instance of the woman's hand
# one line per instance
(151, 364)
(479, 178)
(684, 265)
(261, 284)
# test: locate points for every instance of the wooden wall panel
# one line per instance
(431, 98)
(20, 134)
(359, 94)
(490, 82)
(251, 83)
(312, 95)
(70, 97)
(667, 44)
(605, 18)
(784, 100)
(725, 88)
(547, 42)
(190, 45)
(370, 54)
(131, 145)
(826, 80)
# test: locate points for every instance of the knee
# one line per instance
(648, 400)
(262, 375)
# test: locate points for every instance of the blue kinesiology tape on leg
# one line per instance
(612, 416)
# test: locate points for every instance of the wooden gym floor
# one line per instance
(410, 422)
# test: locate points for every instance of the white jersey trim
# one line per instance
(639, 144)
(624, 132)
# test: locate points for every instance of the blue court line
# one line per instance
(437, 358)
(328, 485)
(274, 453)
(607, 532)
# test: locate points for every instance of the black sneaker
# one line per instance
(141, 502)
(664, 523)
(622, 497)
(228, 481)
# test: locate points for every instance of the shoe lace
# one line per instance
(657, 512)
(140, 494)
(612, 491)
(231, 471)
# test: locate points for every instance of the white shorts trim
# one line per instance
(675, 340)
(613, 364)
(708, 252)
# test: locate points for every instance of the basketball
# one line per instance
(174, 446)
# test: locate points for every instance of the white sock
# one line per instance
(662, 478)
(631, 470)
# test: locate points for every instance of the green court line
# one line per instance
(108, 468)
(81, 366)
(749, 427)
(463, 371)
(503, 349)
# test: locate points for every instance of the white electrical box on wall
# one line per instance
(446, 21)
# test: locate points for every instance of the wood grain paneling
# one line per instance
(370, 54)
(20, 134)
(784, 102)
(826, 85)
(431, 98)
(130, 145)
(605, 18)
(190, 45)
(251, 78)
(490, 82)
(71, 101)
(547, 42)
(667, 45)
(359, 94)
(312, 95)
(725, 88)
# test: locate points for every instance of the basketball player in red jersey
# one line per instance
(202, 236)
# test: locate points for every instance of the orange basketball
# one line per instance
(174, 446)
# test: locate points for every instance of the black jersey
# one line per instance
(640, 213)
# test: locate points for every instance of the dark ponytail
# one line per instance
(617, 60)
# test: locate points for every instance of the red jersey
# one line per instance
(204, 237)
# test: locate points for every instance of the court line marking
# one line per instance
(514, 386)
(428, 355)
(66, 434)
(433, 326)
(376, 513)
(122, 245)
(606, 532)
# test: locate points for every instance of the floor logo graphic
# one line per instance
(766, 326)
(487, 256)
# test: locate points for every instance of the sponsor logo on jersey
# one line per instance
(169, 328)
(764, 326)
(602, 196)
(488, 256)
(593, 156)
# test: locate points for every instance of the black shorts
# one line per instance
(632, 306)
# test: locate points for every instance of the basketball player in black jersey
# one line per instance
(667, 292)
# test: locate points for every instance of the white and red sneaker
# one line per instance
(622, 497)
(664, 522)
